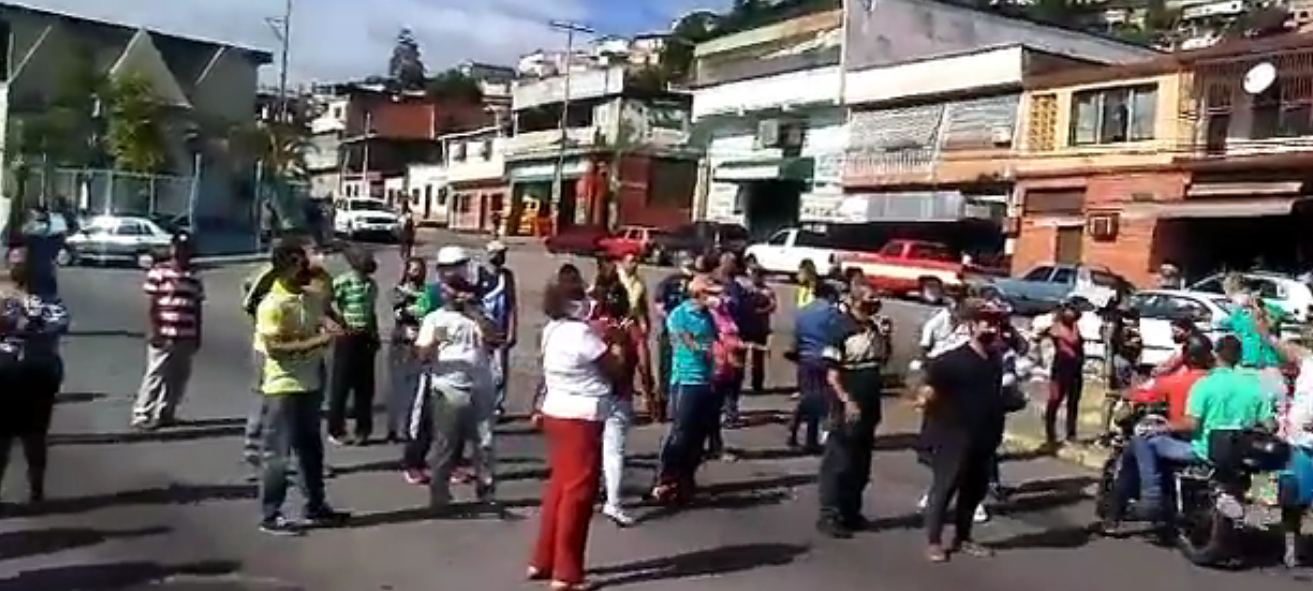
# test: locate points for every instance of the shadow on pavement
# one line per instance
(1057, 538)
(177, 494)
(20, 544)
(1031, 497)
(699, 563)
(113, 576)
(733, 496)
(184, 432)
(78, 397)
(897, 441)
(110, 332)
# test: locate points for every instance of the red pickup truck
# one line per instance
(627, 240)
(927, 270)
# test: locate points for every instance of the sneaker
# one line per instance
(416, 477)
(618, 516)
(339, 440)
(981, 515)
(833, 528)
(920, 505)
(281, 526)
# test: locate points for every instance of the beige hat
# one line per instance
(496, 246)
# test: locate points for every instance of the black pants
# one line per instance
(846, 464)
(1065, 386)
(695, 415)
(353, 378)
(25, 415)
(960, 468)
(757, 361)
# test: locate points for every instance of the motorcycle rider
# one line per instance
(1182, 330)
(1230, 397)
(1139, 459)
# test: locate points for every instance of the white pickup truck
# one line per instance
(786, 249)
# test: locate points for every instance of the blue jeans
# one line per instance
(501, 359)
(1147, 451)
(695, 417)
(813, 389)
(727, 391)
(291, 424)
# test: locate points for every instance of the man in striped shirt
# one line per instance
(355, 294)
(175, 295)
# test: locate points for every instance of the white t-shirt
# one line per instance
(940, 334)
(460, 357)
(1298, 425)
(576, 388)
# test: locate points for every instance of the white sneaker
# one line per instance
(618, 516)
(920, 505)
(981, 515)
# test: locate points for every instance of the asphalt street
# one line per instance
(172, 511)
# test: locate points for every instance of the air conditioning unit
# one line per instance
(768, 133)
(1103, 227)
(776, 133)
(1001, 136)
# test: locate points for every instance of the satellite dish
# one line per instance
(1260, 78)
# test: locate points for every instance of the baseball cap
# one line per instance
(496, 246)
(451, 255)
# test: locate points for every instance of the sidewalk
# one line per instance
(1025, 428)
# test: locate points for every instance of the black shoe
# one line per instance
(325, 518)
(857, 523)
(833, 528)
(281, 526)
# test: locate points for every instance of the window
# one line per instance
(1213, 285)
(128, 228)
(930, 252)
(779, 239)
(1064, 275)
(1038, 274)
(442, 197)
(1105, 279)
(1182, 308)
(428, 194)
(1113, 115)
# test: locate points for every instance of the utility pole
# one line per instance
(558, 175)
(282, 28)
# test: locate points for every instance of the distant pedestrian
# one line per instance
(729, 355)
(613, 323)
(856, 357)
(757, 330)
(406, 235)
(578, 373)
(641, 328)
(1066, 372)
(501, 304)
(455, 342)
(175, 294)
(815, 329)
(355, 294)
(808, 280)
(964, 410)
(671, 292)
(31, 368)
(403, 366)
(695, 409)
(291, 327)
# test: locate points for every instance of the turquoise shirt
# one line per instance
(1255, 350)
(1225, 399)
(689, 366)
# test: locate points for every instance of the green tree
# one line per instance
(283, 149)
(453, 84)
(677, 54)
(406, 67)
(135, 125)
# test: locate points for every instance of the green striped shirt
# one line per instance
(355, 296)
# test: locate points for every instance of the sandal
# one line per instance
(534, 573)
(564, 586)
(936, 554)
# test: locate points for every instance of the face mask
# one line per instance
(714, 301)
(580, 309)
(988, 338)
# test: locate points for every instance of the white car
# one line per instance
(117, 239)
(361, 217)
(1157, 309)
(785, 251)
(1291, 295)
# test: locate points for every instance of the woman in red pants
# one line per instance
(578, 373)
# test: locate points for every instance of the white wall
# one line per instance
(428, 181)
(806, 87)
(986, 69)
(483, 158)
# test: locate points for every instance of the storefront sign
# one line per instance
(545, 172)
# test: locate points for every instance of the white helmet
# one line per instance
(451, 255)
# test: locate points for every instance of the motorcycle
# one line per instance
(1214, 502)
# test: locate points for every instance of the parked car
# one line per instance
(786, 249)
(364, 217)
(580, 240)
(630, 240)
(926, 270)
(698, 238)
(1044, 287)
(1157, 309)
(117, 239)
(1292, 296)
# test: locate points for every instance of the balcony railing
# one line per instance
(539, 142)
(709, 74)
(870, 165)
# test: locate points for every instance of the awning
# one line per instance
(922, 206)
(1214, 208)
(1244, 189)
(794, 169)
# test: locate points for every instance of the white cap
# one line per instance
(452, 255)
(496, 246)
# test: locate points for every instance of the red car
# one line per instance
(581, 240)
(635, 240)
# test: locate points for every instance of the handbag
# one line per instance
(1014, 400)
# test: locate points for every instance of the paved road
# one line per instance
(171, 511)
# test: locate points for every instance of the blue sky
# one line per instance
(340, 39)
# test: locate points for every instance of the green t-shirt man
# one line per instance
(1228, 398)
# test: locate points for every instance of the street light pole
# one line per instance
(282, 29)
(558, 174)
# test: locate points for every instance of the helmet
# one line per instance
(451, 255)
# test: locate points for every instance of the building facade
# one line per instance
(1171, 160)
(767, 105)
(205, 89)
(476, 173)
(617, 138)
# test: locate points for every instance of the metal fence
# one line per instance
(106, 191)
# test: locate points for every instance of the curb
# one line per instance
(1081, 454)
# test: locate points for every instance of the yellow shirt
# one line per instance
(288, 315)
(806, 294)
(320, 283)
(637, 291)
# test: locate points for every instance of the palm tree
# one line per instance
(136, 121)
(282, 148)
